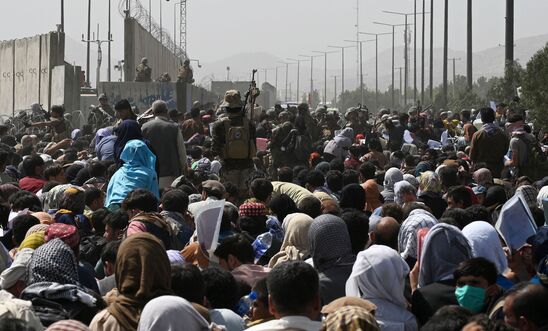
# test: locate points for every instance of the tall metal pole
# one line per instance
(445, 44)
(358, 50)
(335, 80)
(325, 80)
(405, 65)
(276, 82)
(415, 52)
(62, 16)
(454, 74)
(88, 46)
(361, 67)
(422, 51)
(393, 47)
(431, 51)
(469, 77)
(109, 38)
(399, 94)
(509, 35)
(376, 71)
(286, 79)
(342, 68)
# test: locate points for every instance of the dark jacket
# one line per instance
(489, 148)
(162, 135)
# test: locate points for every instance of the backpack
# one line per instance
(537, 167)
(91, 247)
(303, 147)
(238, 145)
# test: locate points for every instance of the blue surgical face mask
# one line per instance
(471, 297)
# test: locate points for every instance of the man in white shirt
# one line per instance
(294, 298)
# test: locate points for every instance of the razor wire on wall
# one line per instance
(134, 9)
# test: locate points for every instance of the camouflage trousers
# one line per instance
(237, 177)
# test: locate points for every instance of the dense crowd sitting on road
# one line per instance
(234, 218)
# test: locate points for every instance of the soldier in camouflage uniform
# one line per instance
(144, 72)
(185, 73)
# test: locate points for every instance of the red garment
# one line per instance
(31, 184)
(352, 163)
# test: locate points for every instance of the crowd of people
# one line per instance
(328, 221)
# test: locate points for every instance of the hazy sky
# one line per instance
(284, 28)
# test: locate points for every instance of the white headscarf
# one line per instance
(391, 177)
(485, 243)
(542, 194)
(378, 273)
(445, 247)
(17, 270)
(167, 312)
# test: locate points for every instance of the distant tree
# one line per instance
(504, 88)
(535, 88)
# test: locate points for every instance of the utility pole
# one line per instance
(509, 35)
(445, 44)
(415, 51)
(335, 81)
(358, 46)
(469, 77)
(311, 59)
(324, 75)
(99, 53)
(361, 42)
(454, 75)
(399, 94)
(431, 51)
(109, 69)
(88, 44)
(422, 52)
(393, 54)
(62, 16)
(376, 63)
(342, 68)
(276, 80)
(298, 61)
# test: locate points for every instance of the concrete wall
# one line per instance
(65, 88)
(139, 43)
(25, 70)
(142, 95)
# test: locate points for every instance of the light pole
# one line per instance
(335, 81)
(376, 63)
(325, 75)
(399, 94)
(342, 68)
(431, 51)
(361, 65)
(454, 75)
(197, 62)
(406, 55)
(99, 54)
(311, 57)
(298, 61)
(393, 50)
(469, 77)
(445, 44)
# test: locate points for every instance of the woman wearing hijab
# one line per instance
(295, 243)
(53, 276)
(104, 144)
(331, 252)
(379, 276)
(353, 197)
(430, 193)
(142, 273)
(126, 131)
(445, 247)
(372, 195)
(167, 312)
(338, 147)
(137, 172)
(391, 177)
(485, 242)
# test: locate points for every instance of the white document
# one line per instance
(515, 223)
(208, 224)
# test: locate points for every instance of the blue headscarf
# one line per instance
(102, 133)
(138, 171)
(126, 131)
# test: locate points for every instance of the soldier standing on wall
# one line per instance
(144, 72)
(185, 73)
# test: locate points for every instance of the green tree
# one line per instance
(535, 87)
(504, 88)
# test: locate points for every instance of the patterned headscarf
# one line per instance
(329, 242)
(65, 232)
(372, 194)
(54, 196)
(530, 194)
(407, 237)
(53, 262)
(411, 180)
(430, 181)
(68, 325)
(350, 318)
(36, 228)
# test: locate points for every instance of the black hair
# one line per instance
(52, 171)
(409, 207)
(49, 185)
(448, 318)
(59, 109)
(75, 202)
(293, 286)
(487, 115)
(311, 206)
(23, 199)
(30, 163)
(221, 288)
(261, 189)
(352, 196)
(460, 194)
(187, 282)
(285, 174)
(448, 176)
(357, 223)
(238, 246)
(122, 105)
(97, 169)
(175, 200)
(375, 144)
(367, 171)
(336, 164)
(315, 178)
(97, 220)
(21, 224)
(110, 251)
(230, 217)
(531, 302)
(478, 267)
(465, 114)
(334, 180)
(479, 213)
(196, 152)
(350, 176)
(194, 112)
(92, 194)
(253, 225)
(393, 210)
(282, 206)
(117, 220)
(142, 200)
